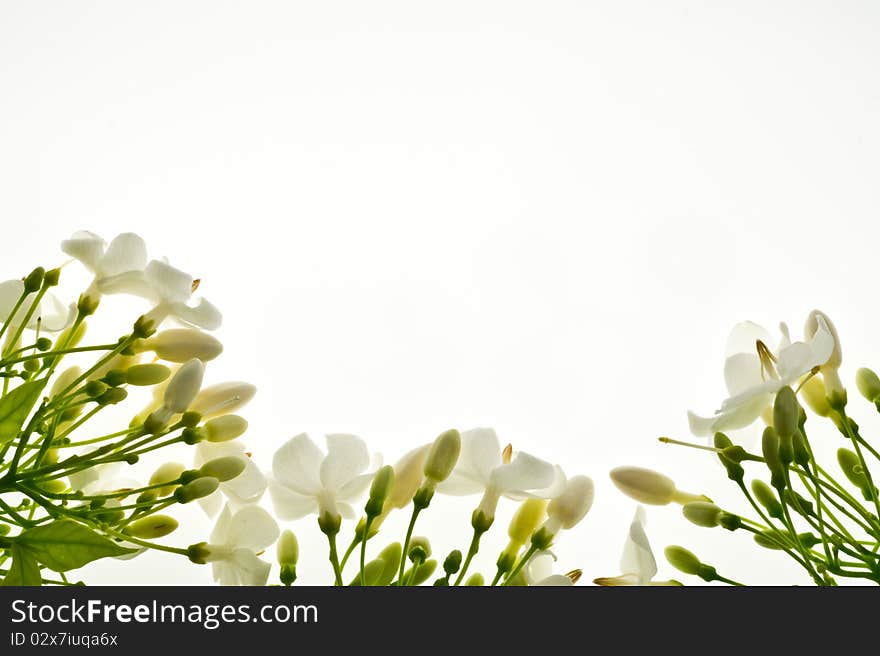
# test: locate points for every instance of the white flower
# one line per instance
(115, 266)
(539, 571)
(305, 480)
(51, 315)
(122, 267)
(234, 543)
(483, 468)
(637, 562)
(753, 373)
(246, 488)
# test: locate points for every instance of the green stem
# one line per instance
(527, 556)
(409, 531)
(472, 551)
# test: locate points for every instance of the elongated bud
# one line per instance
(146, 375)
(767, 498)
(735, 471)
(868, 384)
(786, 412)
(64, 380)
(830, 368)
(379, 489)
(197, 489)
(815, 395)
(390, 556)
(526, 520)
(687, 562)
(373, 571)
(852, 468)
(225, 428)
(408, 476)
(182, 344)
(770, 449)
(287, 548)
(34, 280)
(475, 580)
(570, 507)
(152, 527)
(222, 399)
(800, 449)
(443, 456)
(223, 469)
(702, 513)
(648, 486)
(167, 473)
(184, 386)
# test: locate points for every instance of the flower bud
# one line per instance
(868, 384)
(852, 468)
(830, 368)
(167, 473)
(184, 386)
(152, 527)
(683, 560)
(146, 375)
(419, 548)
(64, 380)
(224, 468)
(408, 475)
(182, 344)
(94, 388)
(222, 399)
(373, 572)
(43, 344)
(526, 520)
(648, 486)
(34, 280)
(702, 513)
(786, 412)
(475, 580)
(443, 456)
(452, 563)
(816, 397)
(287, 549)
(570, 507)
(112, 396)
(391, 556)
(770, 446)
(225, 428)
(197, 489)
(379, 489)
(767, 498)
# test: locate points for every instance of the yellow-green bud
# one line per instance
(786, 412)
(868, 384)
(852, 468)
(770, 445)
(816, 397)
(379, 489)
(182, 344)
(452, 563)
(152, 527)
(287, 549)
(34, 280)
(684, 560)
(767, 498)
(197, 489)
(167, 473)
(224, 468)
(475, 580)
(702, 513)
(53, 486)
(43, 344)
(526, 520)
(443, 456)
(391, 556)
(64, 380)
(225, 428)
(373, 572)
(95, 388)
(145, 375)
(112, 396)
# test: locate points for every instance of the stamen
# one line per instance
(815, 370)
(669, 440)
(574, 575)
(507, 454)
(768, 360)
(195, 285)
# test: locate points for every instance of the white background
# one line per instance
(542, 217)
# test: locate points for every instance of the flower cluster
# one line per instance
(829, 527)
(70, 494)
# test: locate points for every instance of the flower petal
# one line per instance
(460, 484)
(129, 282)
(742, 371)
(127, 252)
(744, 336)
(203, 314)
(355, 488)
(637, 556)
(347, 456)
(87, 247)
(290, 505)
(480, 453)
(172, 285)
(525, 473)
(10, 292)
(251, 527)
(242, 567)
(555, 580)
(297, 463)
(220, 534)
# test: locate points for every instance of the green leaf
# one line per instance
(16, 406)
(64, 545)
(24, 570)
